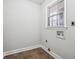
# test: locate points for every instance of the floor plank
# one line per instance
(38, 53)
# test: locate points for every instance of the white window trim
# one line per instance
(46, 18)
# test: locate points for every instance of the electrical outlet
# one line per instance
(46, 41)
(49, 49)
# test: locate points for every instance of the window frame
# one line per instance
(46, 18)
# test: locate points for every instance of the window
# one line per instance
(56, 14)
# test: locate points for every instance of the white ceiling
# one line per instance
(38, 1)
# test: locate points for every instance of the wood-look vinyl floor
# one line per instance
(38, 53)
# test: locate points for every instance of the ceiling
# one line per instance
(38, 1)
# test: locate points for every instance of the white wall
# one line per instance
(21, 24)
(64, 48)
(22, 27)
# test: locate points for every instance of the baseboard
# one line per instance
(30, 48)
(20, 50)
(51, 53)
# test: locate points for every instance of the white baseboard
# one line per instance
(51, 53)
(30, 48)
(20, 50)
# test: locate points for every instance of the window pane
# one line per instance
(51, 21)
(53, 10)
(55, 21)
(60, 20)
(48, 21)
(60, 5)
(56, 15)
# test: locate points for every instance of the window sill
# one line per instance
(57, 28)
